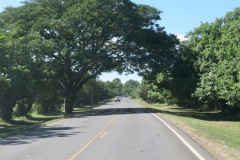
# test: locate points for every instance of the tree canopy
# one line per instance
(73, 41)
(205, 70)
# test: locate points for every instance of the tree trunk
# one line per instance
(28, 109)
(7, 112)
(68, 102)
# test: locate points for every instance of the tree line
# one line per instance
(51, 50)
(205, 72)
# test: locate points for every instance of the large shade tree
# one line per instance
(76, 40)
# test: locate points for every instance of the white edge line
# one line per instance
(184, 142)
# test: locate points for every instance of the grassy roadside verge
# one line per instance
(217, 133)
(21, 124)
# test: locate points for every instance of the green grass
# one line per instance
(82, 109)
(218, 129)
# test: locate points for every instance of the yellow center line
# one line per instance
(93, 139)
(114, 123)
(104, 133)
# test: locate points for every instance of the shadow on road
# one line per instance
(181, 112)
(113, 111)
(38, 133)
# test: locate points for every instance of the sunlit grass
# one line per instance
(81, 109)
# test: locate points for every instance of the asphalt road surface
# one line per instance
(116, 131)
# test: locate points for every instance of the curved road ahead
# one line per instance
(116, 131)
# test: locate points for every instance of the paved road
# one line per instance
(116, 131)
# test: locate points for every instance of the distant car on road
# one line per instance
(117, 99)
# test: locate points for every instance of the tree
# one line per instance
(93, 91)
(184, 75)
(16, 79)
(77, 40)
(130, 87)
(204, 70)
(115, 86)
(217, 48)
(142, 90)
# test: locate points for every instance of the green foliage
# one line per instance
(143, 89)
(184, 77)
(202, 71)
(93, 90)
(218, 47)
(49, 98)
(115, 87)
(75, 41)
(130, 88)
(65, 44)
(16, 67)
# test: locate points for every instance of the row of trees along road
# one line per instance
(206, 68)
(95, 91)
(53, 48)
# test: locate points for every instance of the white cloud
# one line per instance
(181, 37)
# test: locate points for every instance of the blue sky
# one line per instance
(178, 17)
